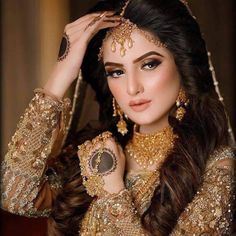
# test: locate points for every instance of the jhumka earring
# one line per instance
(181, 103)
(121, 125)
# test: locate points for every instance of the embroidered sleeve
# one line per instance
(113, 215)
(210, 212)
(24, 166)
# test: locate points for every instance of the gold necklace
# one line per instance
(147, 149)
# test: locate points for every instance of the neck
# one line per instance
(154, 127)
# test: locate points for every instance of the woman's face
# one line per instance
(145, 82)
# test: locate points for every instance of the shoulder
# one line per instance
(209, 213)
(220, 167)
(222, 158)
(218, 180)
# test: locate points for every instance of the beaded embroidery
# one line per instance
(24, 165)
(23, 177)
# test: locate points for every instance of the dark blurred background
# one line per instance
(30, 36)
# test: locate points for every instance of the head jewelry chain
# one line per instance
(121, 35)
(211, 68)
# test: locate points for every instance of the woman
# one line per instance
(159, 163)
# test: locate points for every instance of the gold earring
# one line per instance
(181, 103)
(121, 125)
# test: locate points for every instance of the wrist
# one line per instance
(47, 93)
(114, 187)
(56, 88)
(59, 81)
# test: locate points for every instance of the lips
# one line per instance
(139, 105)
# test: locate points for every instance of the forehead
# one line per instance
(141, 45)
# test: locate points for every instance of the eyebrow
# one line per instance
(146, 55)
(135, 61)
(113, 64)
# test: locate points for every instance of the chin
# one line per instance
(149, 119)
(143, 120)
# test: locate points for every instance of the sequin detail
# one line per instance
(23, 175)
(209, 213)
(23, 168)
(112, 215)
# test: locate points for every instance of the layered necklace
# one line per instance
(147, 149)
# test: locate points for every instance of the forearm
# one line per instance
(59, 81)
(25, 162)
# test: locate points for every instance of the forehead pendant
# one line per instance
(121, 36)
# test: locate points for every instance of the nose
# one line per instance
(134, 85)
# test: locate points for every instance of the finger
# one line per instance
(89, 17)
(95, 21)
(80, 22)
(87, 22)
(112, 18)
(109, 24)
(111, 21)
(121, 151)
(93, 29)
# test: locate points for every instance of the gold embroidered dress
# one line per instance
(26, 190)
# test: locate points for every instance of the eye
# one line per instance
(150, 65)
(114, 73)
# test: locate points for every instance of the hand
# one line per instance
(78, 34)
(114, 180)
(102, 164)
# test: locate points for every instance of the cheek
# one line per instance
(112, 87)
(118, 90)
(166, 86)
(115, 87)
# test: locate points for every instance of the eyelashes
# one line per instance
(147, 65)
(114, 73)
(150, 64)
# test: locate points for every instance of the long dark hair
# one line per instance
(202, 130)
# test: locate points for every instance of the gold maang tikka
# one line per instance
(121, 35)
(121, 125)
